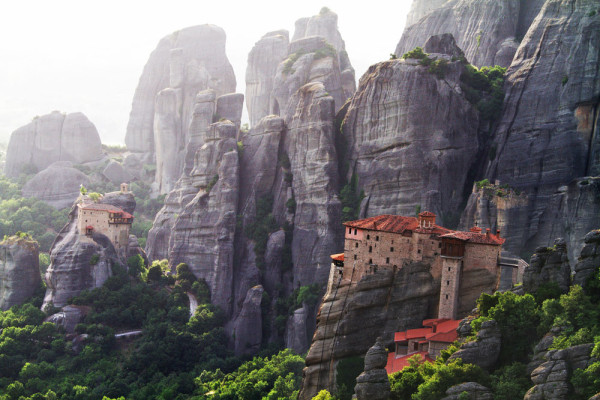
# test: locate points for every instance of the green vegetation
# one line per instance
(565, 79)
(292, 58)
(327, 51)
(351, 199)
(348, 369)
(485, 88)
(259, 231)
(437, 67)
(393, 56)
(212, 183)
(28, 215)
(285, 306)
(417, 53)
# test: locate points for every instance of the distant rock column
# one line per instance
(548, 265)
(373, 383)
(19, 271)
(589, 260)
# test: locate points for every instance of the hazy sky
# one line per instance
(80, 55)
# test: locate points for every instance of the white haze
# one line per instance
(81, 55)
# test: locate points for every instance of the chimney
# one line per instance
(487, 232)
(498, 232)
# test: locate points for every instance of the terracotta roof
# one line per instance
(411, 334)
(474, 237)
(101, 207)
(337, 257)
(445, 337)
(426, 214)
(398, 364)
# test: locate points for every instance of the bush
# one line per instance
(417, 54)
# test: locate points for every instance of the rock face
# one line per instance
(548, 265)
(247, 329)
(385, 301)
(473, 389)
(78, 263)
(373, 383)
(57, 185)
(191, 60)
(19, 271)
(485, 351)
(551, 378)
(546, 140)
(277, 70)
(50, 138)
(589, 260)
(184, 63)
(411, 139)
(68, 317)
(485, 30)
(115, 173)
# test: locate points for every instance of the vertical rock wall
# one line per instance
(19, 271)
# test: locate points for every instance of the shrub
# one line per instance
(417, 54)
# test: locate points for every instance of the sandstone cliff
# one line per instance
(546, 142)
(276, 69)
(57, 185)
(412, 138)
(487, 31)
(19, 270)
(50, 138)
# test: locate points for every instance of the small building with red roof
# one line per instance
(106, 219)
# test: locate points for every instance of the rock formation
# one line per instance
(19, 270)
(473, 390)
(546, 142)
(77, 263)
(277, 70)
(373, 383)
(411, 138)
(487, 30)
(56, 185)
(548, 265)
(247, 330)
(485, 350)
(184, 63)
(551, 378)
(589, 260)
(50, 138)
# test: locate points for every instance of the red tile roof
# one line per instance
(444, 337)
(398, 364)
(426, 214)
(101, 207)
(337, 257)
(474, 237)
(411, 334)
(395, 224)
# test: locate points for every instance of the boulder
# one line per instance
(474, 391)
(57, 185)
(115, 173)
(50, 138)
(548, 265)
(485, 350)
(443, 44)
(373, 383)
(19, 270)
(68, 317)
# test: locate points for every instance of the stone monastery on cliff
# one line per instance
(109, 220)
(388, 241)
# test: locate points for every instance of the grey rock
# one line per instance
(229, 107)
(545, 143)
(125, 201)
(548, 265)
(551, 377)
(474, 390)
(373, 383)
(115, 173)
(68, 318)
(481, 28)
(50, 138)
(589, 260)
(192, 59)
(485, 351)
(247, 329)
(443, 44)
(263, 60)
(19, 271)
(57, 185)
(296, 337)
(412, 139)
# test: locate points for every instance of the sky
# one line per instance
(83, 55)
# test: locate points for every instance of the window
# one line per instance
(446, 295)
(356, 244)
(377, 238)
(354, 231)
(391, 249)
(355, 256)
(370, 261)
(418, 251)
(448, 268)
(350, 230)
(368, 237)
(370, 248)
(440, 245)
(448, 283)
(387, 260)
